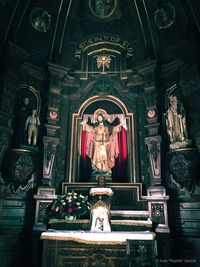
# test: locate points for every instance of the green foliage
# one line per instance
(69, 204)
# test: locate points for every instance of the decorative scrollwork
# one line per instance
(180, 168)
(158, 213)
(18, 171)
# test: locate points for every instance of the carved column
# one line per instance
(197, 139)
(51, 140)
(154, 148)
(4, 140)
(156, 195)
(157, 205)
(153, 140)
(44, 196)
(50, 145)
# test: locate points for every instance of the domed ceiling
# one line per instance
(52, 31)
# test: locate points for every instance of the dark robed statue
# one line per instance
(176, 124)
(22, 112)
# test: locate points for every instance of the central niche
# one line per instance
(104, 142)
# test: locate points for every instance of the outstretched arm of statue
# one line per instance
(83, 122)
(86, 127)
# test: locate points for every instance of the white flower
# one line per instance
(78, 204)
(64, 203)
(75, 197)
(57, 209)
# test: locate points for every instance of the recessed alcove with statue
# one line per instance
(104, 141)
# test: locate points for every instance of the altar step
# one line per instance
(121, 220)
(130, 220)
(130, 214)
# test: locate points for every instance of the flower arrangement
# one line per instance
(68, 205)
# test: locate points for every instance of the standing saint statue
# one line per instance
(176, 124)
(32, 123)
(23, 110)
(101, 142)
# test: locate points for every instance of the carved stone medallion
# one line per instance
(102, 8)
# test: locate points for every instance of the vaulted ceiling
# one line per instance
(68, 23)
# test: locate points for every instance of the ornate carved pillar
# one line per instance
(156, 194)
(157, 205)
(51, 140)
(44, 196)
(5, 133)
(153, 144)
(197, 139)
(50, 145)
(153, 140)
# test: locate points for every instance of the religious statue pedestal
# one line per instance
(183, 165)
(19, 169)
(100, 209)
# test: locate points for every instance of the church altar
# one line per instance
(87, 237)
(86, 249)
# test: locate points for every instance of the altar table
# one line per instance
(87, 249)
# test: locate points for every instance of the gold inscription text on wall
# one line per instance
(105, 39)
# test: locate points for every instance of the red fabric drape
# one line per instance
(83, 145)
(119, 171)
(122, 145)
(85, 162)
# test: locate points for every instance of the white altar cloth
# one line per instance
(115, 237)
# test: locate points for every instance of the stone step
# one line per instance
(129, 214)
(147, 223)
(116, 225)
(130, 225)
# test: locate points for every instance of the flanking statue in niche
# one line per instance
(176, 124)
(32, 124)
(27, 106)
(21, 113)
(100, 142)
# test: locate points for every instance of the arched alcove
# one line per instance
(114, 107)
(27, 99)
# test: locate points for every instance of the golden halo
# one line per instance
(100, 112)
